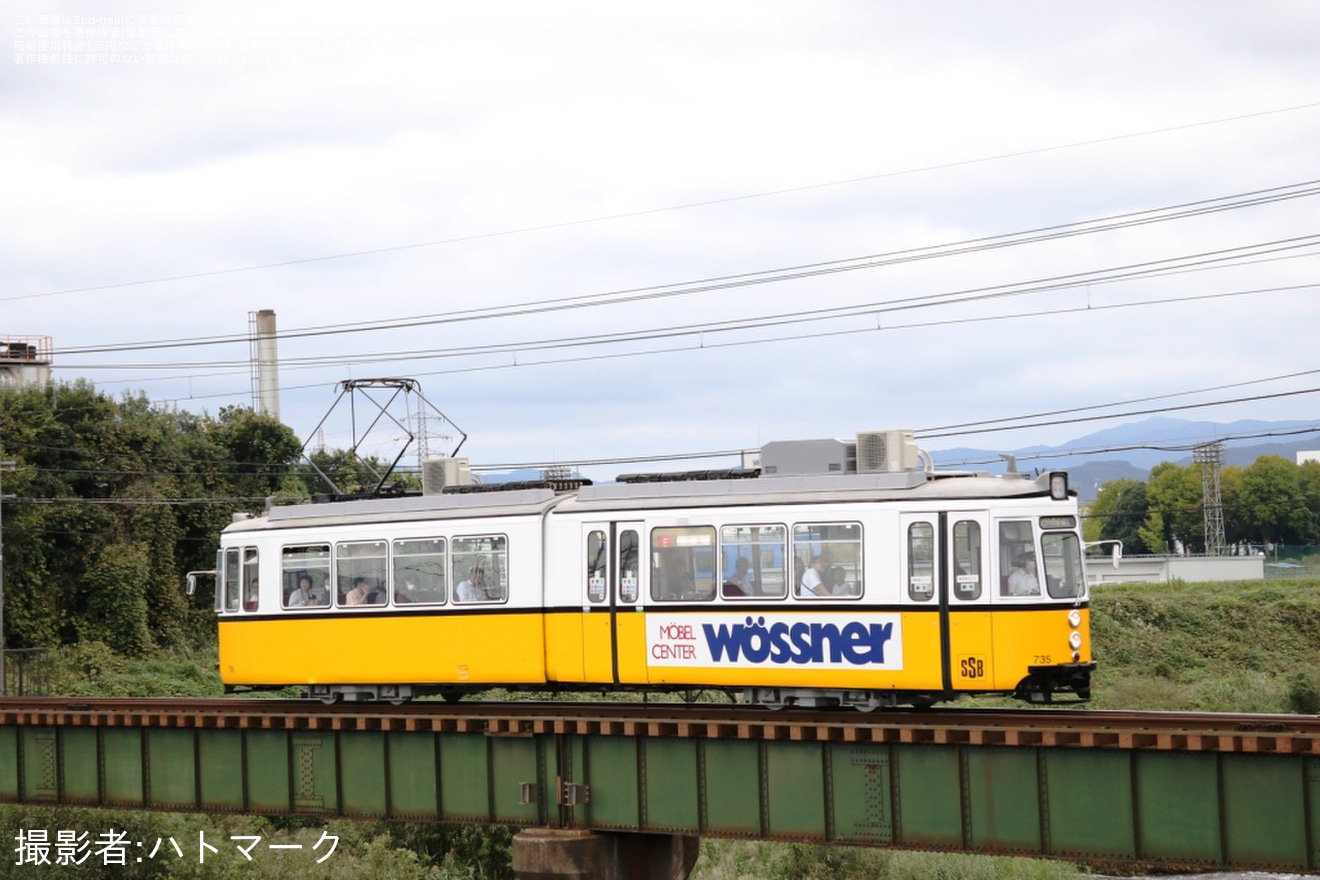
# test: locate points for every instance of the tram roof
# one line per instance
(787, 489)
(512, 503)
(810, 487)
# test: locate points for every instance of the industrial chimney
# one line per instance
(265, 364)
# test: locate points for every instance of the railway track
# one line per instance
(1054, 728)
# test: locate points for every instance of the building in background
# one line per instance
(25, 361)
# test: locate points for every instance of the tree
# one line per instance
(1176, 507)
(1118, 513)
(116, 609)
(1106, 498)
(115, 501)
(1271, 502)
(262, 453)
(1308, 474)
(349, 472)
(1230, 489)
(1128, 518)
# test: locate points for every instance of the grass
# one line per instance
(747, 860)
(1222, 647)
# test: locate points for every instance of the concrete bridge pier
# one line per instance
(577, 854)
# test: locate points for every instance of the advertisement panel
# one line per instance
(789, 640)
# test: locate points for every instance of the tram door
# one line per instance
(613, 633)
(970, 624)
(945, 562)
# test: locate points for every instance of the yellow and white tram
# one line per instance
(834, 588)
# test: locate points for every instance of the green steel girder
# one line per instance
(1208, 810)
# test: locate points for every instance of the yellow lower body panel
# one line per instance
(989, 650)
(1038, 638)
(599, 634)
(972, 651)
(377, 649)
(563, 647)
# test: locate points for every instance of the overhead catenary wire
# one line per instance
(518, 354)
(800, 271)
(796, 336)
(665, 209)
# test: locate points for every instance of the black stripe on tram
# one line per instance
(613, 587)
(942, 573)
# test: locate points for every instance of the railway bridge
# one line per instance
(625, 789)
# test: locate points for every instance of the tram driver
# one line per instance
(1022, 580)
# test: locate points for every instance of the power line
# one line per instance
(700, 333)
(1129, 402)
(518, 348)
(1141, 412)
(1130, 272)
(797, 336)
(788, 273)
(660, 210)
(1135, 447)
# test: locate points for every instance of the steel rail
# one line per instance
(1053, 728)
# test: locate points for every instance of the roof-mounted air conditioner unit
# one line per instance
(437, 473)
(886, 452)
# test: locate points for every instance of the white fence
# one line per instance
(1163, 569)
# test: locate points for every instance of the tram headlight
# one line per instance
(1075, 640)
(1074, 619)
(1059, 485)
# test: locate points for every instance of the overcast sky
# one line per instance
(526, 165)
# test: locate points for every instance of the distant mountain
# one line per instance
(1133, 448)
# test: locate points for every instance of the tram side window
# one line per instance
(683, 565)
(419, 571)
(480, 569)
(1018, 574)
(752, 562)
(630, 551)
(233, 580)
(921, 561)
(827, 560)
(305, 575)
(252, 596)
(1063, 565)
(967, 560)
(1017, 559)
(598, 565)
(360, 567)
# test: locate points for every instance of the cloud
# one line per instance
(475, 156)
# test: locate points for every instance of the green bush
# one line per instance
(1304, 692)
